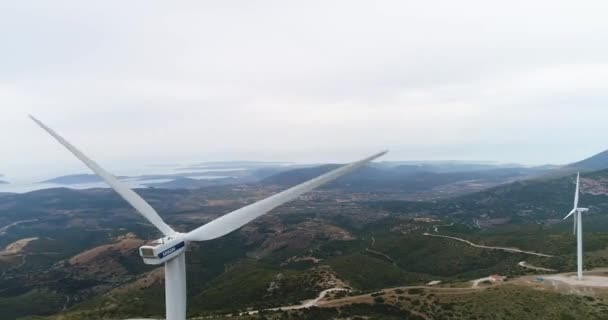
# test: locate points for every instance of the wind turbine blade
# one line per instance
(236, 219)
(576, 194)
(574, 228)
(129, 195)
(569, 214)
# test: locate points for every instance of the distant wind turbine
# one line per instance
(578, 228)
(171, 248)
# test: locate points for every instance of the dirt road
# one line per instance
(524, 265)
(305, 304)
(4, 229)
(514, 250)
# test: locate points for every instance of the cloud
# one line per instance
(149, 81)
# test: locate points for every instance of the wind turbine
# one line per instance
(170, 249)
(578, 229)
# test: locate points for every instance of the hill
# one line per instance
(593, 163)
(449, 166)
(405, 180)
(85, 260)
(74, 179)
(525, 201)
(189, 183)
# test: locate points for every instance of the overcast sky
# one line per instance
(148, 82)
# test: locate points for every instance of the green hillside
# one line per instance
(293, 255)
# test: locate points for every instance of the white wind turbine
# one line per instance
(578, 229)
(171, 248)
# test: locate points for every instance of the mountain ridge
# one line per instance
(596, 162)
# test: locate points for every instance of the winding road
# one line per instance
(515, 250)
(23, 261)
(478, 281)
(435, 227)
(4, 229)
(304, 305)
(524, 265)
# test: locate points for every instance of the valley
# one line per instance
(74, 252)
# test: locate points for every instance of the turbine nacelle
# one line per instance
(163, 249)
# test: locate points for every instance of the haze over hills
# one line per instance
(366, 232)
(447, 177)
(410, 180)
(74, 179)
(197, 109)
(234, 164)
(442, 172)
(80, 254)
(450, 165)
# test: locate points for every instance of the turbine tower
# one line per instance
(578, 229)
(171, 248)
